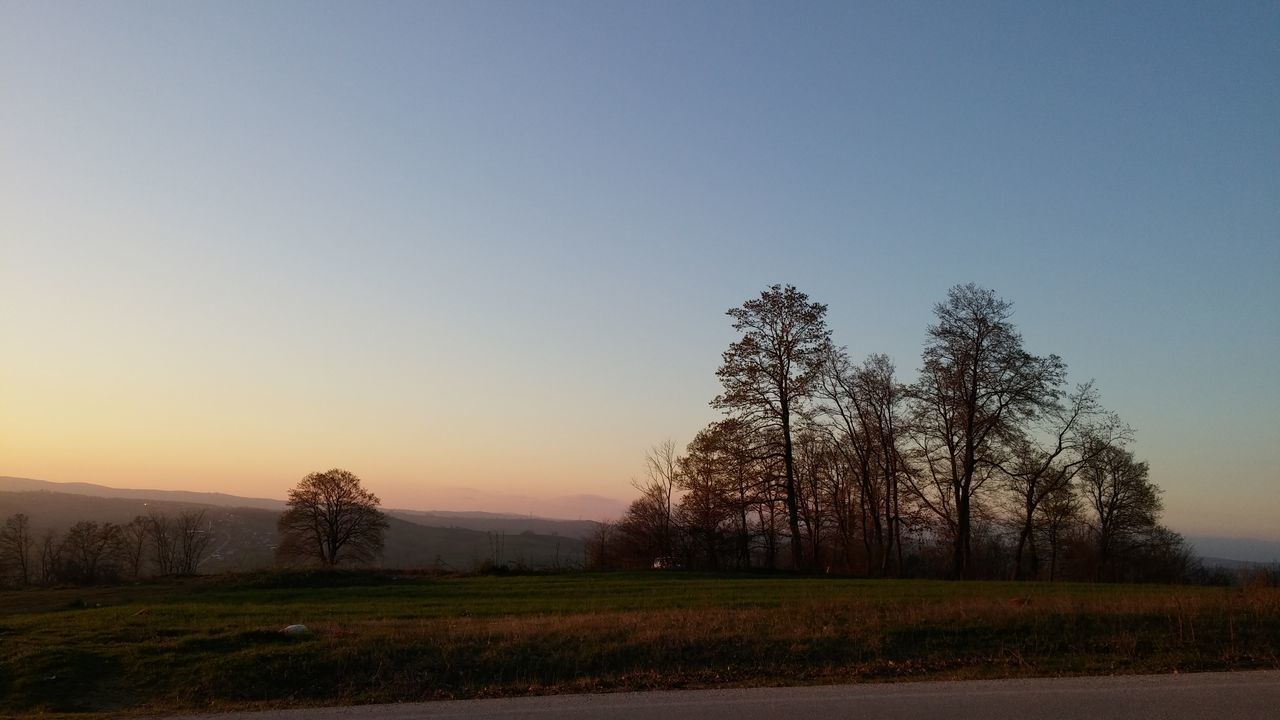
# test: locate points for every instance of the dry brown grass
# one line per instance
(482, 637)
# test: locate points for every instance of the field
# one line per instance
(215, 643)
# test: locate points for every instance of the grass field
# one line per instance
(215, 643)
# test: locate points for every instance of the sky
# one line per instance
(484, 249)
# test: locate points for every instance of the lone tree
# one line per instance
(769, 372)
(331, 519)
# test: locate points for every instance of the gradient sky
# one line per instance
(489, 245)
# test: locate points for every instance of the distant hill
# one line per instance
(574, 507)
(13, 484)
(245, 537)
(501, 523)
(538, 522)
(1249, 550)
(1228, 564)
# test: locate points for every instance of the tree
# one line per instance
(16, 543)
(719, 472)
(977, 389)
(1064, 437)
(164, 543)
(597, 550)
(331, 519)
(708, 482)
(663, 464)
(1059, 514)
(193, 538)
(864, 404)
(50, 557)
(86, 551)
(133, 545)
(636, 540)
(770, 371)
(1123, 505)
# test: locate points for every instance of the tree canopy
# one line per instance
(331, 519)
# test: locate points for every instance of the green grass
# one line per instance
(214, 643)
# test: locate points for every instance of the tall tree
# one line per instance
(331, 518)
(768, 373)
(977, 388)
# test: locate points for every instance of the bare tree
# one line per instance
(663, 465)
(193, 538)
(50, 557)
(1124, 506)
(1059, 513)
(16, 543)
(770, 371)
(132, 542)
(1048, 454)
(331, 518)
(638, 536)
(708, 479)
(597, 550)
(821, 482)
(86, 551)
(977, 389)
(864, 406)
(723, 456)
(164, 543)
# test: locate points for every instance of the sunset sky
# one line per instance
(489, 245)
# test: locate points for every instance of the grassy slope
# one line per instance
(214, 642)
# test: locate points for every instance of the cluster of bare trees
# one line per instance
(91, 552)
(987, 465)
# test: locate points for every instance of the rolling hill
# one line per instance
(245, 537)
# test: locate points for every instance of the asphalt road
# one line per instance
(1206, 695)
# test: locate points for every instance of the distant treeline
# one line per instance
(90, 552)
(986, 465)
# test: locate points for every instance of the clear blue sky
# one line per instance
(490, 244)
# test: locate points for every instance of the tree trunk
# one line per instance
(793, 514)
(1017, 555)
(963, 551)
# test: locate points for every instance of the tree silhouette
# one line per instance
(1047, 457)
(331, 519)
(193, 538)
(16, 543)
(977, 389)
(767, 373)
(1123, 505)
